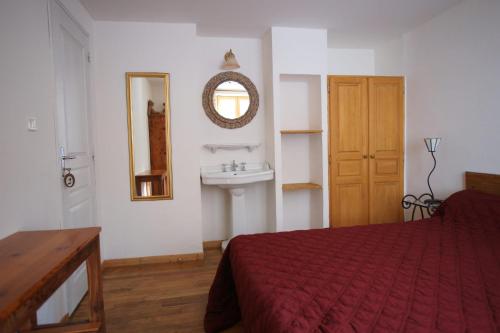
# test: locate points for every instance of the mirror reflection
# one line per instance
(231, 100)
(149, 136)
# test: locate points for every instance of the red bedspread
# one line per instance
(435, 275)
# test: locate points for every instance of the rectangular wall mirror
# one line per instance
(149, 136)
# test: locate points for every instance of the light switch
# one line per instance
(32, 126)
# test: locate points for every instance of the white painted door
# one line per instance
(70, 44)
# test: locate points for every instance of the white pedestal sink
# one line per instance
(234, 182)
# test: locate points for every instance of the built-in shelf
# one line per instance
(299, 137)
(213, 147)
(301, 186)
(311, 131)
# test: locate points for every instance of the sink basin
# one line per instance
(254, 173)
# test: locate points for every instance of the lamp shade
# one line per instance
(432, 144)
(230, 61)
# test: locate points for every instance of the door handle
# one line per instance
(68, 177)
(66, 172)
(64, 157)
(372, 156)
(365, 156)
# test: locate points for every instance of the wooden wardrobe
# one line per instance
(366, 162)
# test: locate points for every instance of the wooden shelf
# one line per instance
(311, 131)
(301, 186)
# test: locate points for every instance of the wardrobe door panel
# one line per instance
(351, 206)
(385, 201)
(349, 151)
(386, 148)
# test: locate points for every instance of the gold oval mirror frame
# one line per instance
(208, 100)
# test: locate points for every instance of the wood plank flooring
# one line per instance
(157, 298)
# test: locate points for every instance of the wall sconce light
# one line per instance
(230, 61)
(432, 144)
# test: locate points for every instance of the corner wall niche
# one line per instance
(300, 102)
(301, 151)
(295, 80)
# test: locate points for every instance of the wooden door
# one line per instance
(348, 123)
(386, 142)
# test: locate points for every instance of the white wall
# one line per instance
(30, 195)
(30, 183)
(389, 57)
(298, 52)
(176, 226)
(452, 72)
(136, 229)
(215, 201)
(268, 101)
(351, 61)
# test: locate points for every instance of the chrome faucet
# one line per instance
(234, 166)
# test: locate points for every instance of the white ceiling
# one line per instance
(350, 23)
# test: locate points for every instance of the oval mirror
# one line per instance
(230, 100)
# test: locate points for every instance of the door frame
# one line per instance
(89, 98)
(52, 6)
(329, 128)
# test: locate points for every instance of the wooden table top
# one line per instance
(28, 259)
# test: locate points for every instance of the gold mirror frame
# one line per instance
(169, 179)
(209, 107)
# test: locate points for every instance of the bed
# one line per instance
(440, 274)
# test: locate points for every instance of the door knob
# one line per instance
(372, 156)
(365, 156)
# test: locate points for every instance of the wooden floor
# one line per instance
(157, 297)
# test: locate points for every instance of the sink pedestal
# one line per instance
(235, 181)
(238, 213)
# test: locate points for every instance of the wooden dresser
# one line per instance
(34, 264)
